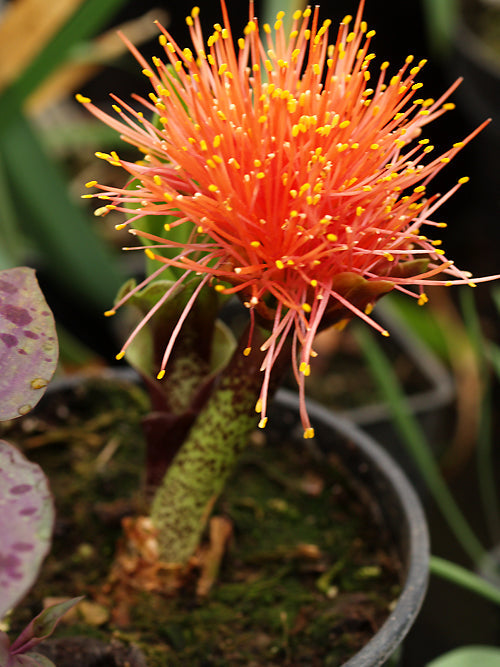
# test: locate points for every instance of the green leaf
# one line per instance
(200, 337)
(90, 17)
(42, 626)
(415, 441)
(76, 256)
(480, 585)
(201, 349)
(12, 250)
(469, 656)
(155, 225)
(493, 352)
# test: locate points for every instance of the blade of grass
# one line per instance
(89, 18)
(484, 449)
(465, 578)
(416, 443)
(13, 247)
(75, 256)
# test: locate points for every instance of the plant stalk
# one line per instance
(199, 471)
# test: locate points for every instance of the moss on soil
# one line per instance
(306, 581)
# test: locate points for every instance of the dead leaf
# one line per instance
(221, 530)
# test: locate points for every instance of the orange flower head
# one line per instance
(302, 177)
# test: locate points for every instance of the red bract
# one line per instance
(303, 179)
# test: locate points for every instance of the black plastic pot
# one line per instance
(383, 487)
(398, 510)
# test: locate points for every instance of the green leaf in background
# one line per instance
(89, 19)
(469, 656)
(38, 201)
(415, 441)
(74, 255)
(12, 248)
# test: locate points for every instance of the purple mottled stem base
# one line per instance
(201, 468)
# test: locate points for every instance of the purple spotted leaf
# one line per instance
(26, 522)
(28, 342)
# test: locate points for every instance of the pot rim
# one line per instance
(417, 547)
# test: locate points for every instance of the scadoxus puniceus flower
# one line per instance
(302, 176)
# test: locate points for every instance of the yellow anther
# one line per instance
(419, 188)
(247, 351)
(110, 313)
(332, 238)
(279, 264)
(306, 308)
(82, 99)
(309, 433)
(213, 188)
(121, 226)
(161, 375)
(422, 299)
(120, 355)
(464, 179)
(101, 211)
(305, 368)
(258, 405)
(263, 422)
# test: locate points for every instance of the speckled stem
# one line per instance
(200, 470)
